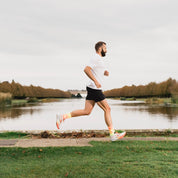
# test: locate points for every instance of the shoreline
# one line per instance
(36, 134)
(103, 130)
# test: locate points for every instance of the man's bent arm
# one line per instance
(88, 72)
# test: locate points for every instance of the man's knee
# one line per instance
(88, 112)
(108, 109)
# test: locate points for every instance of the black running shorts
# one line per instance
(94, 94)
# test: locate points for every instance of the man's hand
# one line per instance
(106, 73)
(98, 85)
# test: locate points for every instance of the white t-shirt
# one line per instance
(98, 66)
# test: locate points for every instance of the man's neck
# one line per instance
(99, 53)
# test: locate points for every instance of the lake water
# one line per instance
(125, 115)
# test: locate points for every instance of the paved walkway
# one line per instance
(70, 142)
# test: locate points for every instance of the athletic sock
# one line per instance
(67, 116)
(111, 131)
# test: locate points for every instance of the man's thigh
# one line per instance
(103, 104)
(89, 104)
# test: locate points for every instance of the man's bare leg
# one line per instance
(89, 104)
(107, 112)
(107, 115)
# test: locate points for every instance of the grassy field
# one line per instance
(104, 159)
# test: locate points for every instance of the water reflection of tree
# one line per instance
(6, 113)
(170, 112)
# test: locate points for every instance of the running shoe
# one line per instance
(59, 120)
(117, 136)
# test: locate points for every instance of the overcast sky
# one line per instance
(49, 42)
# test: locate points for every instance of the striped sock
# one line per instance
(67, 116)
(111, 131)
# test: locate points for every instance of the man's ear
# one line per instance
(100, 49)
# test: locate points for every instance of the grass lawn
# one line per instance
(104, 159)
(14, 135)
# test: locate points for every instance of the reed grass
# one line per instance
(5, 99)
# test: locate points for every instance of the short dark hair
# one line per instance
(99, 44)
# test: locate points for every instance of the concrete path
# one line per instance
(70, 142)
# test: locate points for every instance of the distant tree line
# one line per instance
(19, 91)
(163, 89)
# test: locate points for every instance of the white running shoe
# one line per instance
(59, 120)
(117, 136)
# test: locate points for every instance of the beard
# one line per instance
(103, 53)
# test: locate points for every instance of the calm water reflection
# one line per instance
(15, 112)
(125, 114)
(161, 110)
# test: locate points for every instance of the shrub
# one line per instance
(32, 100)
(5, 99)
(174, 99)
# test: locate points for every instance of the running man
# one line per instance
(95, 70)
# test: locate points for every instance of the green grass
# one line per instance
(167, 133)
(165, 100)
(104, 159)
(19, 101)
(33, 100)
(13, 135)
(154, 135)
